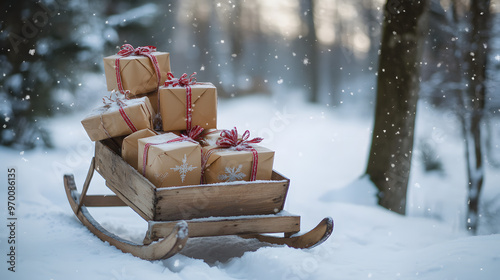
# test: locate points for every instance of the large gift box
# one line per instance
(169, 160)
(236, 162)
(174, 106)
(137, 73)
(130, 145)
(118, 118)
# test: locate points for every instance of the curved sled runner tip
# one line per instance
(161, 249)
(310, 239)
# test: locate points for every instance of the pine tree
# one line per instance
(44, 47)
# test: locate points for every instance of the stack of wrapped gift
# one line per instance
(167, 126)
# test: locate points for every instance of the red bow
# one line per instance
(183, 81)
(128, 49)
(108, 100)
(194, 133)
(229, 138)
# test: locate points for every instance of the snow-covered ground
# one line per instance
(322, 151)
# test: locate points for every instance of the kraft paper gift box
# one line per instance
(130, 145)
(137, 72)
(107, 121)
(153, 98)
(228, 164)
(173, 106)
(170, 164)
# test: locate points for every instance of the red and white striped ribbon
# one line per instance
(127, 50)
(186, 82)
(127, 119)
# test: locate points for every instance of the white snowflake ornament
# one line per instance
(232, 174)
(184, 168)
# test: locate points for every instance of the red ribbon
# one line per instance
(128, 50)
(191, 135)
(107, 101)
(184, 81)
(229, 139)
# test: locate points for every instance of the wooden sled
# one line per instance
(174, 214)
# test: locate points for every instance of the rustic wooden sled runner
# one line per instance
(174, 214)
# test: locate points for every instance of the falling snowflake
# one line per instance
(184, 168)
(232, 174)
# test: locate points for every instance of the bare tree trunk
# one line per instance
(397, 94)
(311, 46)
(475, 104)
(339, 55)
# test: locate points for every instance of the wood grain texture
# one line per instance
(128, 184)
(228, 226)
(258, 198)
(103, 201)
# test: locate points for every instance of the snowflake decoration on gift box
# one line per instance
(161, 177)
(184, 168)
(232, 174)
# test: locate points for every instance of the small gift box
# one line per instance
(130, 145)
(170, 160)
(137, 71)
(184, 103)
(235, 158)
(118, 117)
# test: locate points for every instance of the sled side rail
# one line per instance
(221, 200)
(218, 226)
(126, 182)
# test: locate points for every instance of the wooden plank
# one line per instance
(128, 184)
(228, 226)
(103, 201)
(276, 176)
(219, 200)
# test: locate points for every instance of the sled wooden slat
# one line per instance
(220, 200)
(103, 201)
(228, 226)
(125, 181)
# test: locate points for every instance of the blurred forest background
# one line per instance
(51, 63)
(327, 49)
